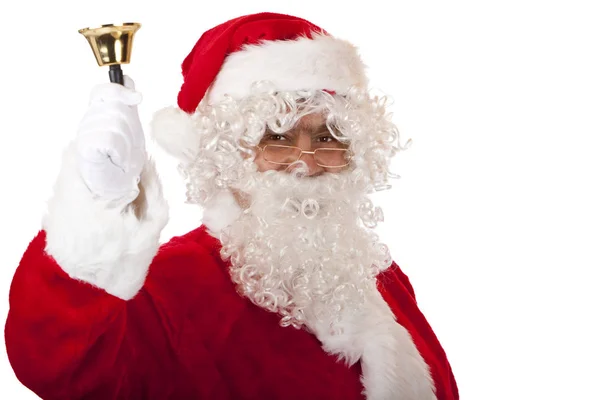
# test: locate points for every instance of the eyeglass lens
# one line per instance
(323, 156)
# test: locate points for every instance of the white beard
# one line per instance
(301, 248)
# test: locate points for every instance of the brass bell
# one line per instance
(112, 45)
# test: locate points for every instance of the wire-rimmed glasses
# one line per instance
(324, 157)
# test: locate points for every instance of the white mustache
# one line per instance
(308, 208)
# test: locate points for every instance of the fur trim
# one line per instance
(392, 366)
(321, 63)
(173, 130)
(107, 245)
(220, 212)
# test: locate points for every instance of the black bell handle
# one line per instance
(115, 74)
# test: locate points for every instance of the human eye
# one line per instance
(276, 137)
(327, 140)
(272, 137)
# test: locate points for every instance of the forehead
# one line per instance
(311, 123)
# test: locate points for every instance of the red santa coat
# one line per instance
(186, 335)
(90, 319)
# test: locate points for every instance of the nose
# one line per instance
(313, 168)
(304, 142)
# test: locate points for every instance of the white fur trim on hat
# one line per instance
(173, 130)
(321, 63)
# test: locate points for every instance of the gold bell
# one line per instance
(112, 45)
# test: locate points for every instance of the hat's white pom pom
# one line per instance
(173, 130)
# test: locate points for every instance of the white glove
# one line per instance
(110, 143)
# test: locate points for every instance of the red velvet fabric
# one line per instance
(186, 335)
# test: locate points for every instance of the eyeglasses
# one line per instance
(324, 157)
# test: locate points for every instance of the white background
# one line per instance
(496, 218)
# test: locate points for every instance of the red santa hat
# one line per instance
(289, 52)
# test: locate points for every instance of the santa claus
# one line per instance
(284, 291)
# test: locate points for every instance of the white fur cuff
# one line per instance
(110, 247)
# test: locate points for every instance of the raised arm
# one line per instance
(67, 333)
(104, 219)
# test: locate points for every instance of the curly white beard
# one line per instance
(301, 248)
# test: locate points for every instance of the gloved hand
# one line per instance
(110, 143)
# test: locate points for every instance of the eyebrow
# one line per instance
(312, 129)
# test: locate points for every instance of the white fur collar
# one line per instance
(392, 366)
(220, 212)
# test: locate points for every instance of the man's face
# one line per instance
(301, 247)
(309, 134)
